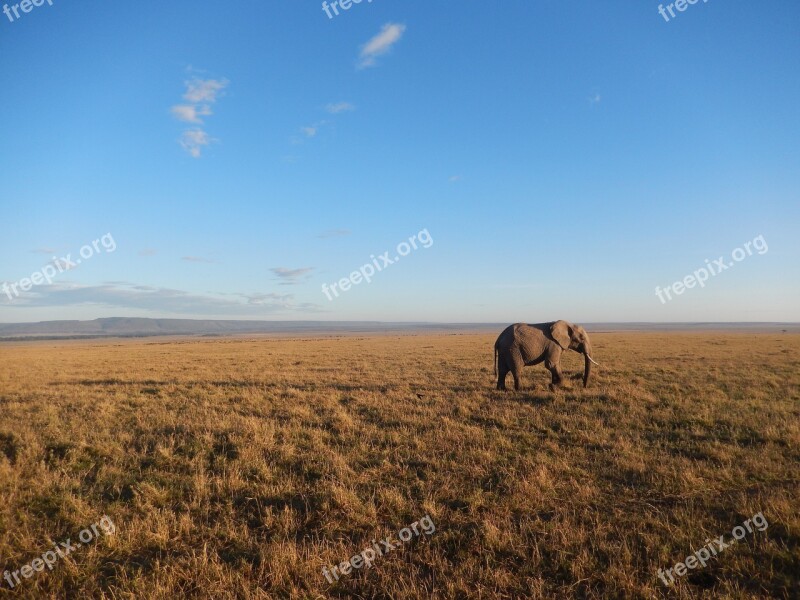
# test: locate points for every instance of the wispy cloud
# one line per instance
(454, 178)
(204, 90)
(310, 131)
(292, 276)
(197, 259)
(332, 233)
(595, 99)
(193, 140)
(270, 298)
(338, 107)
(200, 94)
(380, 44)
(147, 252)
(44, 250)
(191, 113)
(162, 300)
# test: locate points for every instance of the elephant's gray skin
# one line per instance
(525, 344)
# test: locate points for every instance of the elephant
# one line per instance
(524, 344)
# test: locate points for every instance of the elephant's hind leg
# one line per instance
(502, 371)
(516, 369)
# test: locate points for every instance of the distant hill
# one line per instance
(142, 327)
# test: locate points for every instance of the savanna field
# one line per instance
(239, 468)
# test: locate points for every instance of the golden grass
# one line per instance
(238, 468)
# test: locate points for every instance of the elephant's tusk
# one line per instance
(591, 359)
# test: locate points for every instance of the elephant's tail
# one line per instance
(495, 360)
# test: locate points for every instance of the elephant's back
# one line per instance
(507, 335)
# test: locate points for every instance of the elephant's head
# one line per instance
(574, 337)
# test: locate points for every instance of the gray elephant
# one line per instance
(525, 344)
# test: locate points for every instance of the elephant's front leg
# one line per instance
(555, 371)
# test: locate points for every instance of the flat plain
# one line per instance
(240, 467)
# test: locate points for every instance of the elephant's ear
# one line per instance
(560, 330)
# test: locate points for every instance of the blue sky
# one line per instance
(565, 159)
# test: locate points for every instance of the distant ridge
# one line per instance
(143, 327)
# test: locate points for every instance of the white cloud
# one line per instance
(191, 113)
(129, 296)
(204, 90)
(271, 298)
(197, 259)
(338, 107)
(193, 140)
(389, 35)
(308, 131)
(201, 94)
(291, 276)
(595, 99)
(454, 178)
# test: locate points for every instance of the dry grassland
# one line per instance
(238, 468)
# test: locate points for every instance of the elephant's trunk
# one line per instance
(587, 369)
(587, 363)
